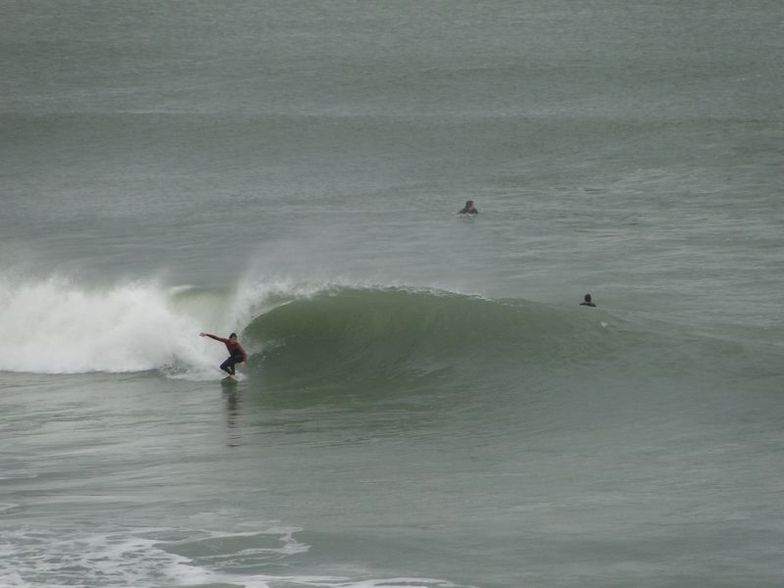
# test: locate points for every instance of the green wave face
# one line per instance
(344, 335)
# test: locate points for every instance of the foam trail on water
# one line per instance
(145, 558)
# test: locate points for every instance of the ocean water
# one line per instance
(426, 404)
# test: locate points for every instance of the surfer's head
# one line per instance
(587, 297)
(233, 336)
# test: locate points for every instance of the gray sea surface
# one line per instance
(425, 402)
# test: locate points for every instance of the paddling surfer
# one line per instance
(469, 208)
(236, 353)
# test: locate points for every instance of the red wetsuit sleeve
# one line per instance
(221, 339)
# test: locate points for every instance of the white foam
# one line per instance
(139, 558)
(56, 326)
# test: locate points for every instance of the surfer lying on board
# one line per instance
(236, 352)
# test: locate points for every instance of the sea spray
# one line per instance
(58, 326)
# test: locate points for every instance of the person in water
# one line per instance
(587, 301)
(469, 208)
(236, 352)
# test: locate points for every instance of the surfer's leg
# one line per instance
(228, 366)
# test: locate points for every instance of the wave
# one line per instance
(59, 326)
(308, 334)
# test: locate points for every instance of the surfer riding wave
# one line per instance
(236, 353)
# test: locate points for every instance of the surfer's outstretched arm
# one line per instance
(221, 339)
